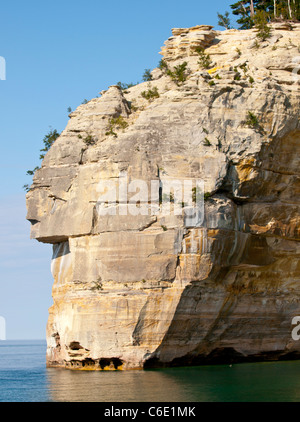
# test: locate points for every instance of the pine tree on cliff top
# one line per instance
(275, 10)
(246, 9)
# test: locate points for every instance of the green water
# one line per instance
(255, 382)
(24, 378)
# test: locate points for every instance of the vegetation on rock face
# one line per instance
(116, 123)
(48, 140)
(97, 285)
(207, 195)
(253, 122)
(147, 76)
(89, 140)
(162, 65)
(207, 142)
(179, 73)
(151, 94)
(261, 23)
(204, 59)
(196, 194)
(125, 86)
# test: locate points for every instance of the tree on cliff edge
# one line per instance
(48, 140)
(274, 9)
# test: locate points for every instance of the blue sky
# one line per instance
(57, 54)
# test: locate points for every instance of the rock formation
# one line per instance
(134, 291)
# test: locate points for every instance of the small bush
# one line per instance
(261, 23)
(179, 73)
(125, 86)
(252, 120)
(116, 123)
(244, 67)
(147, 75)
(207, 142)
(89, 140)
(31, 172)
(256, 44)
(204, 59)
(48, 140)
(131, 106)
(162, 65)
(97, 286)
(119, 122)
(151, 94)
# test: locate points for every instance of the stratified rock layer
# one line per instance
(134, 291)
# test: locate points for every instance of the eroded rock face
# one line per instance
(185, 41)
(151, 289)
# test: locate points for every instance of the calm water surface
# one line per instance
(24, 378)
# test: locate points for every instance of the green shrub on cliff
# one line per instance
(48, 140)
(116, 123)
(124, 87)
(147, 76)
(151, 94)
(204, 59)
(261, 23)
(179, 73)
(162, 65)
(251, 120)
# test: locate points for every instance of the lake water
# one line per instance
(24, 378)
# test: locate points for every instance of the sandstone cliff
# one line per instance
(133, 291)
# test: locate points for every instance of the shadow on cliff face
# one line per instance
(60, 249)
(215, 326)
(222, 356)
(243, 312)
